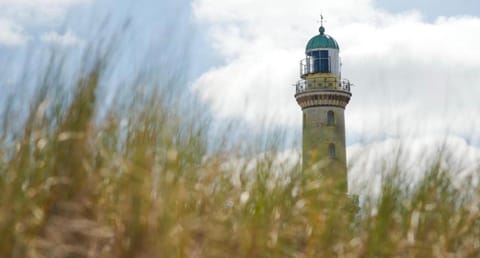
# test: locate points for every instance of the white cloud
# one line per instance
(413, 157)
(37, 9)
(11, 34)
(67, 39)
(411, 76)
(19, 15)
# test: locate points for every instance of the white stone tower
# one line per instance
(323, 96)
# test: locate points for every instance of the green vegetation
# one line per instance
(144, 181)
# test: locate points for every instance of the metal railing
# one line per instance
(308, 65)
(304, 85)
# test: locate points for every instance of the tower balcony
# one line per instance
(311, 65)
(322, 91)
(322, 83)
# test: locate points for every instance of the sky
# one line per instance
(415, 64)
(412, 74)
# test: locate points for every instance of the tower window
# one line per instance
(321, 61)
(332, 151)
(330, 118)
(304, 121)
(324, 62)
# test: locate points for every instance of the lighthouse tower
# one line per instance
(323, 96)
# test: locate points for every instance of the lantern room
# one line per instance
(322, 56)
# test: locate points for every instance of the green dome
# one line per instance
(322, 41)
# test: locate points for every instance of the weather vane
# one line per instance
(322, 20)
(322, 29)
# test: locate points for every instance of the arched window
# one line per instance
(304, 121)
(330, 118)
(332, 151)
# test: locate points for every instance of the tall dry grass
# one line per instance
(144, 181)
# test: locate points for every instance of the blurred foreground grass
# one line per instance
(141, 181)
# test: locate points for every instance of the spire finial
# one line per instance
(322, 29)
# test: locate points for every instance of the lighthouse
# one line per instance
(322, 95)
